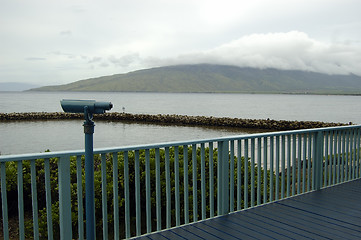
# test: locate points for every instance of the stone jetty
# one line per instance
(173, 119)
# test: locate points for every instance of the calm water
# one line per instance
(24, 137)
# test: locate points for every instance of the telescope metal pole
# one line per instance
(89, 175)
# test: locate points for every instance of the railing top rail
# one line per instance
(30, 156)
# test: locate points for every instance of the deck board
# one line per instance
(330, 213)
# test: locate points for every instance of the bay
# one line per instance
(25, 137)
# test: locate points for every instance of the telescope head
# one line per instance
(80, 106)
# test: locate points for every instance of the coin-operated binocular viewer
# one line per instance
(88, 107)
(85, 106)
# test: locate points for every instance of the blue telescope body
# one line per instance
(78, 106)
(88, 107)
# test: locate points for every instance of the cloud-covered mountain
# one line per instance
(217, 78)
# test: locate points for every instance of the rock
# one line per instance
(173, 119)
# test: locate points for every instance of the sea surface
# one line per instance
(37, 136)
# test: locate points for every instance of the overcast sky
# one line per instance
(55, 42)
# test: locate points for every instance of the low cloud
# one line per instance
(35, 59)
(63, 54)
(289, 51)
(126, 60)
(66, 33)
(95, 60)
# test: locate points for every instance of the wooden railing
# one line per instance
(141, 189)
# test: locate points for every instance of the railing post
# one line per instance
(223, 178)
(64, 198)
(318, 160)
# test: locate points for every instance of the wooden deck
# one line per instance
(330, 213)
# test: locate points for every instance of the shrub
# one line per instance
(11, 170)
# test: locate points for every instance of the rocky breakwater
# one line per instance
(33, 116)
(174, 119)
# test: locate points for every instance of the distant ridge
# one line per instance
(217, 78)
(16, 86)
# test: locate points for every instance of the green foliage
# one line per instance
(11, 169)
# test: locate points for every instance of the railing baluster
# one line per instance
(115, 196)
(343, 156)
(350, 156)
(4, 201)
(325, 162)
(138, 203)
(333, 155)
(231, 180)
(79, 188)
(339, 151)
(20, 180)
(246, 187)
(126, 194)
(271, 184)
(347, 158)
(158, 190)
(104, 196)
(329, 157)
(283, 167)
(224, 183)
(304, 162)
(259, 149)
(219, 179)
(277, 191)
(239, 175)
(211, 181)
(194, 181)
(34, 200)
(293, 164)
(265, 169)
(288, 164)
(49, 216)
(176, 182)
(353, 152)
(351, 173)
(203, 181)
(319, 137)
(309, 166)
(185, 169)
(147, 190)
(358, 153)
(64, 198)
(330, 153)
(332, 159)
(314, 161)
(168, 193)
(252, 171)
(299, 161)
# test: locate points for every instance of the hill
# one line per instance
(217, 78)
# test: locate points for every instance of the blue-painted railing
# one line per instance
(140, 189)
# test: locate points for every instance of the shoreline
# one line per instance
(173, 119)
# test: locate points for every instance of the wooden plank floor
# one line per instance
(331, 213)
